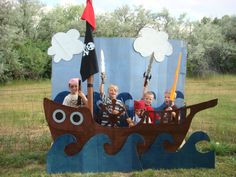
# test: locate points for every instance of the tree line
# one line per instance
(26, 28)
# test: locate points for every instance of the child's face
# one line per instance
(148, 98)
(167, 99)
(73, 88)
(139, 112)
(112, 92)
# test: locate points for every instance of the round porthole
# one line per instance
(76, 118)
(59, 116)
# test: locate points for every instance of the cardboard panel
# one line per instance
(125, 68)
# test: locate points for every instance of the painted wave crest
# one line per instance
(93, 158)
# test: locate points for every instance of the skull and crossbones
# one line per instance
(90, 46)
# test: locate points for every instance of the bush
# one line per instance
(34, 60)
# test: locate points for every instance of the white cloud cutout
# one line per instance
(150, 41)
(65, 45)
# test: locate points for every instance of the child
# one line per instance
(72, 98)
(148, 97)
(139, 108)
(169, 104)
(117, 110)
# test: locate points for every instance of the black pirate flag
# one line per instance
(89, 64)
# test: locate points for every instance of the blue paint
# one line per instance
(60, 96)
(125, 68)
(96, 97)
(93, 158)
(124, 97)
(187, 157)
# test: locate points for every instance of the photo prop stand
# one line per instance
(82, 145)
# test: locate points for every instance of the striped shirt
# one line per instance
(118, 107)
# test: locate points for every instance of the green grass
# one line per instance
(32, 164)
(218, 122)
(25, 137)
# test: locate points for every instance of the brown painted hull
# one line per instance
(118, 135)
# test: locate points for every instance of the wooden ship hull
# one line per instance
(80, 123)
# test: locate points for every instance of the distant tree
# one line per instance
(124, 21)
(115, 24)
(164, 21)
(60, 19)
(33, 60)
(142, 18)
(10, 36)
(26, 29)
(228, 25)
(206, 20)
(28, 16)
(206, 38)
(210, 49)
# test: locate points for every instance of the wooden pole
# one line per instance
(90, 93)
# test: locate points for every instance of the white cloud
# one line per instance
(65, 45)
(153, 41)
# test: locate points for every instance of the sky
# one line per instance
(195, 9)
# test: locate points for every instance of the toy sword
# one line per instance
(147, 75)
(102, 66)
(173, 89)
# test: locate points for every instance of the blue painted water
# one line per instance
(93, 158)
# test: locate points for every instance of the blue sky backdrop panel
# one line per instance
(125, 68)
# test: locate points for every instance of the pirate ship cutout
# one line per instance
(83, 145)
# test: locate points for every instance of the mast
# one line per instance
(90, 93)
(89, 65)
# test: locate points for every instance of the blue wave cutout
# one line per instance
(187, 157)
(93, 158)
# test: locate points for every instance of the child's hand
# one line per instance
(80, 93)
(130, 122)
(115, 112)
(169, 109)
(103, 77)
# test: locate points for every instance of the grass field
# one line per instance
(25, 137)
